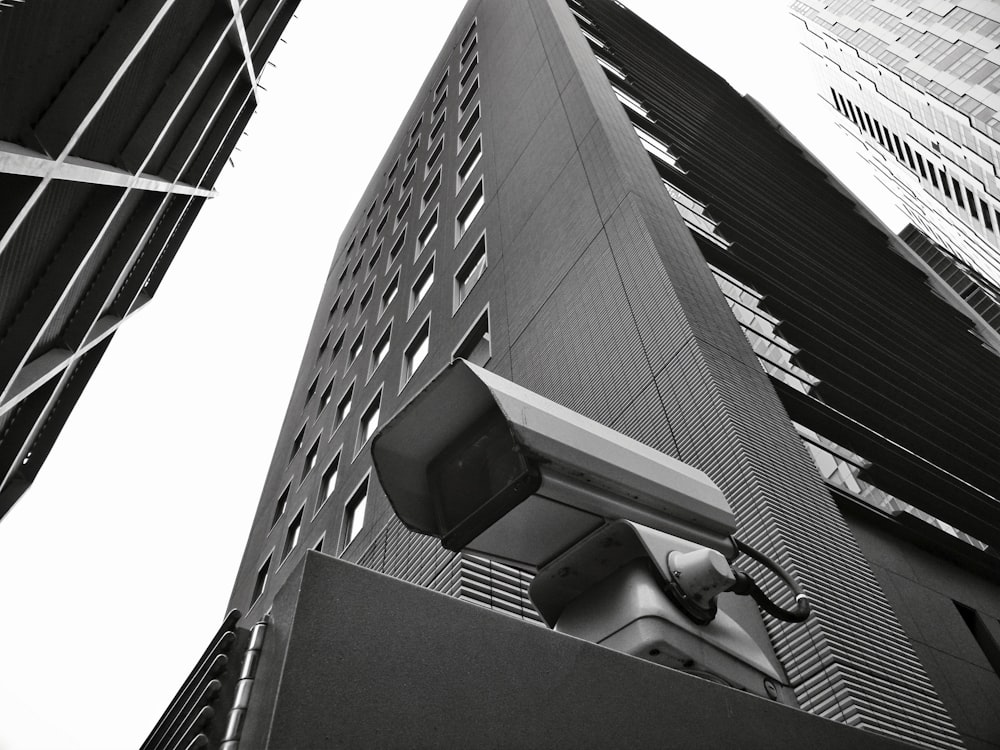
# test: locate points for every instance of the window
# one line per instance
(350, 301)
(475, 154)
(593, 39)
(366, 298)
(389, 294)
(440, 103)
(397, 245)
(437, 128)
(416, 129)
(323, 345)
(470, 36)
(354, 512)
(416, 352)
(333, 308)
(469, 71)
(381, 349)
(328, 482)
(374, 259)
(339, 345)
(369, 421)
(468, 128)
(297, 443)
(422, 284)
(381, 223)
(630, 101)
(327, 395)
(387, 196)
(292, 535)
(470, 271)
(475, 347)
(432, 159)
(440, 88)
(310, 461)
(408, 178)
(364, 238)
(344, 407)
(356, 347)
(468, 53)
(392, 172)
(430, 191)
(279, 507)
(318, 547)
(470, 95)
(427, 232)
(656, 147)
(413, 152)
(401, 213)
(260, 582)
(469, 211)
(611, 68)
(311, 391)
(368, 215)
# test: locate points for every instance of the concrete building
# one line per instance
(918, 85)
(115, 122)
(578, 205)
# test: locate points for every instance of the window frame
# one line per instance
(349, 514)
(386, 337)
(458, 299)
(414, 300)
(364, 422)
(461, 180)
(326, 488)
(484, 313)
(472, 207)
(406, 372)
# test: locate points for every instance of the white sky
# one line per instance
(116, 565)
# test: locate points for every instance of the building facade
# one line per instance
(578, 205)
(917, 84)
(115, 122)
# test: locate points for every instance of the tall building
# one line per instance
(575, 203)
(116, 119)
(918, 85)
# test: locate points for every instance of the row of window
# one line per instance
(919, 164)
(475, 344)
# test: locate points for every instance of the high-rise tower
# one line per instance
(578, 205)
(918, 85)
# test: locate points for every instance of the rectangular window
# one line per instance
(297, 443)
(357, 266)
(327, 395)
(261, 581)
(593, 39)
(469, 128)
(389, 294)
(354, 513)
(611, 68)
(440, 104)
(440, 88)
(430, 191)
(469, 37)
(413, 151)
(422, 285)
(416, 129)
(374, 259)
(473, 205)
(333, 308)
(311, 391)
(656, 147)
(397, 245)
(381, 223)
(475, 154)
(470, 271)
(467, 100)
(386, 198)
(986, 214)
(427, 232)
(468, 52)
(432, 159)
(417, 350)
(408, 178)
(958, 192)
(323, 345)
(356, 347)
(401, 213)
(972, 203)
(344, 407)
(369, 421)
(437, 128)
(368, 215)
(279, 507)
(475, 347)
(364, 237)
(328, 483)
(339, 345)
(381, 349)
(392, 172)
(366, 298)
(932, 170)
(310, 461)
(292, 535)
(920, 165)
(473, 64)
(350, 301)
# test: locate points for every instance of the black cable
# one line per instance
(745, 585)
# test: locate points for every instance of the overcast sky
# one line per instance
(117, 564)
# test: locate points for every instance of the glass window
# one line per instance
(366, 298)
(432, 159)
(657, 147)
(381, 223)
(381, 349)
(468, 128)
(328, 483)
(369, 421)
(630, 101)
(389, 294)
(261, 581)
(611, 68)
(473, 64)
(354, 513)
(408, 178)
(470, 36)
(417, 351)
(310, 461)
(311, 391)
(415, 130)
(397, 245)
(440, 88)
(470, 271)
(327, 395)
(422, 285)
(413, 152)
(475, 347)
(427, 232)
(468, 52)
(297, 443)
(469, 96)
(356, 347)
(323, 345)
(279, 507)
(401, 213)
(374, 259)
(339, 345)
(344, 407)
(437, 128)
(473, 205)
(429, 193)
(440, 103)
(475, 154)
(292, 535)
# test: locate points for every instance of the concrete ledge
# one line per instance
(356, 659)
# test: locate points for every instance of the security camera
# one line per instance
(630, 548)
